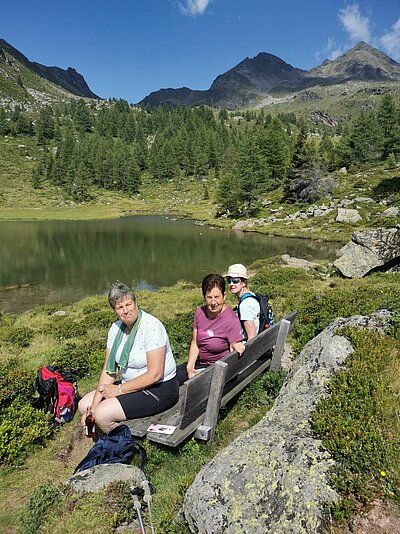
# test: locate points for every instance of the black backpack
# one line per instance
(266, 318)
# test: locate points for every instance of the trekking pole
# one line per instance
(147, 499)
(136, 504)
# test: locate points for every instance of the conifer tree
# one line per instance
(45, 125)
(4, 125)
(275, 150)
(389, 125)
(239, 191)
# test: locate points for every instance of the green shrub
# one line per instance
(73, 357)
(83, 357)
(16, 383)
(22, 427)
(62, 327)
(275, 282)
(180, 331)
(119, 502)
(317, 311)
(262, 391)
(99, 319)
(358, 423)
(46, 497)
(20, 336)
(45, 309)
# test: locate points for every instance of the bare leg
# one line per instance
(85, 402)
(107, 414)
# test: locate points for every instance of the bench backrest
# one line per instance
(194, 393)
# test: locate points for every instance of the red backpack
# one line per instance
(57, 393)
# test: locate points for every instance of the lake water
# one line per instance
(63, 261)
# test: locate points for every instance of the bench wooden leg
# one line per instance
(280, 345)
(206, 431)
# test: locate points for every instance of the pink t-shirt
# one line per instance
(215, 335)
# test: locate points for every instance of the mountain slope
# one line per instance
(363, 62)
(24, 81)
(266, 75)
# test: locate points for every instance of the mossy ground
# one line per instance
(318, 301)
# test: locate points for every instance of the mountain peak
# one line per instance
(362, 62)
(68, 80)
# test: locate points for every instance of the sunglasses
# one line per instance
(233, 280)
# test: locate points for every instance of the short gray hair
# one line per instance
(119, 290)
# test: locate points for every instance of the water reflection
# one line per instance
(63, 261)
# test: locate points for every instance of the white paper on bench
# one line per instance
(161, 429)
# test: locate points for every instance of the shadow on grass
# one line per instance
(389, 186)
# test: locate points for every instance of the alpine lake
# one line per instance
(49, 262)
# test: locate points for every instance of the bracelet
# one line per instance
(120, 390)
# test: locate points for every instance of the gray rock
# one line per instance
(241, 225)
(320, 212)
(391, 212)
(348, 215)
(364, 200)
(274, 477)
(59, 313)
(343, 170)
(368, 250)
(100, 476)
(345, 202)
(299, 263)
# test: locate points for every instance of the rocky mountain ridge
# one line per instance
(22, 80)
(254, 79)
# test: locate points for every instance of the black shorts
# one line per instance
(150, 401)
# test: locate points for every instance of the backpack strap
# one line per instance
(244, 296)
(142, 452)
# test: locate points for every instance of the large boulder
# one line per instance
(369, 250)
(274, 477)
(347, 215)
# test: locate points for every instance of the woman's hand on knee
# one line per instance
(108, 391)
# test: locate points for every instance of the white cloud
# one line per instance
(336, 53)
(390, 41)
(355, 24)
(193, 7)
(330, 51)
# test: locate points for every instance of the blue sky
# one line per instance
(126, 49)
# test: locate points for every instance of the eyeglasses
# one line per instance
(233, 280)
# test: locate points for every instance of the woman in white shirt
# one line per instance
(137, 347)
(248, 308)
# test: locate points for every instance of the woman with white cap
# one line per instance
(248, 308)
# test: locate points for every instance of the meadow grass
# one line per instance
(318, 300)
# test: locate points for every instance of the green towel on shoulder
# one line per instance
(123, 361)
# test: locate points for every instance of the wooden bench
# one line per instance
(201, 398)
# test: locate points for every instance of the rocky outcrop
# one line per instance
(274, 477)
(370, 250)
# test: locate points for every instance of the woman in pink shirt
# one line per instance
(216, 329)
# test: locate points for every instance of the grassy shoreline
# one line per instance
(189, 198)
